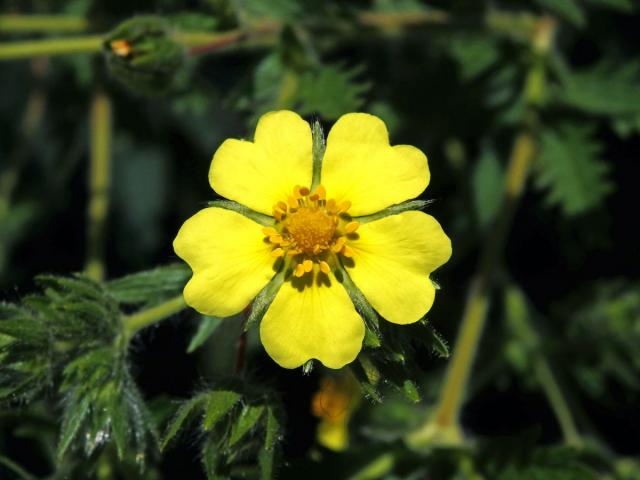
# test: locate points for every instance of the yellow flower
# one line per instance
(334, 404)
(314, 234)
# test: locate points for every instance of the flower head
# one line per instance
(315, 232)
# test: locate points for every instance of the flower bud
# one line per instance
(142, 54)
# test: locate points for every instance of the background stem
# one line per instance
(17, 23)
(444, 423)
(50, 47)
(98, 184)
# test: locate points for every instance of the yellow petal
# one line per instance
(333, 435)
(359, 165)
(392, 260)
(312, 317)
(229, 258)
(260, 173)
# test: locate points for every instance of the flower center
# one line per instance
(310, 229)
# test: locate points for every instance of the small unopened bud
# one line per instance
(142, 54)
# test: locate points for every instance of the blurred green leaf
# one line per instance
(568, 9)
(206, 328)
(487, 182)
(248, 418)
(474, 54)
(606, 88)
(570, 169)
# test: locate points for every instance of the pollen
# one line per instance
(310, 230)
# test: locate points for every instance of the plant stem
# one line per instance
(17, 23)
(98, 184)
(557, 401)
(444, 425)
(50, 47)
(137, 321)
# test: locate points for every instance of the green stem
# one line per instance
(557, 401)
(50, 47)
(140, 320)
(443, 426)
(16, 23)
(98, 184)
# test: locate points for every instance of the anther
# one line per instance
(282, 206)
(269, 231)
(276, 238)
(277, 252)
(324, 266)
(304, 191)
(299, 271)
(338, 245)
(344, 206)
(351, 227)
(347, 251)
(321, 192)
(308, 265)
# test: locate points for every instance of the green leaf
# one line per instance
(206, 328)
(474, 54)
(218, 404)
(330, 92)
(266, 457)
(151, 286)
(75, 415)
(246, 421)
(569, 168)
(553, 463)
(568, 9)
(185, 410)
(21, 473)
(625, 6)
(487, 186)
(606, 88)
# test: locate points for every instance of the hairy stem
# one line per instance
(98, 184)
(17, 23)
(444, 423)
(137, 321)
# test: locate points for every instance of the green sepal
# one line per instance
(260, 218)
(361, 303)
(264, 298)
(394, 210)
(318, 148)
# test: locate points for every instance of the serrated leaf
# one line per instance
(330, 92)
(180, 417)
(75, 415)
(151, 286)
(569, 168)
(218, 404)
(247, 419)
(266, 457)
(206, 328)
(606, 88)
